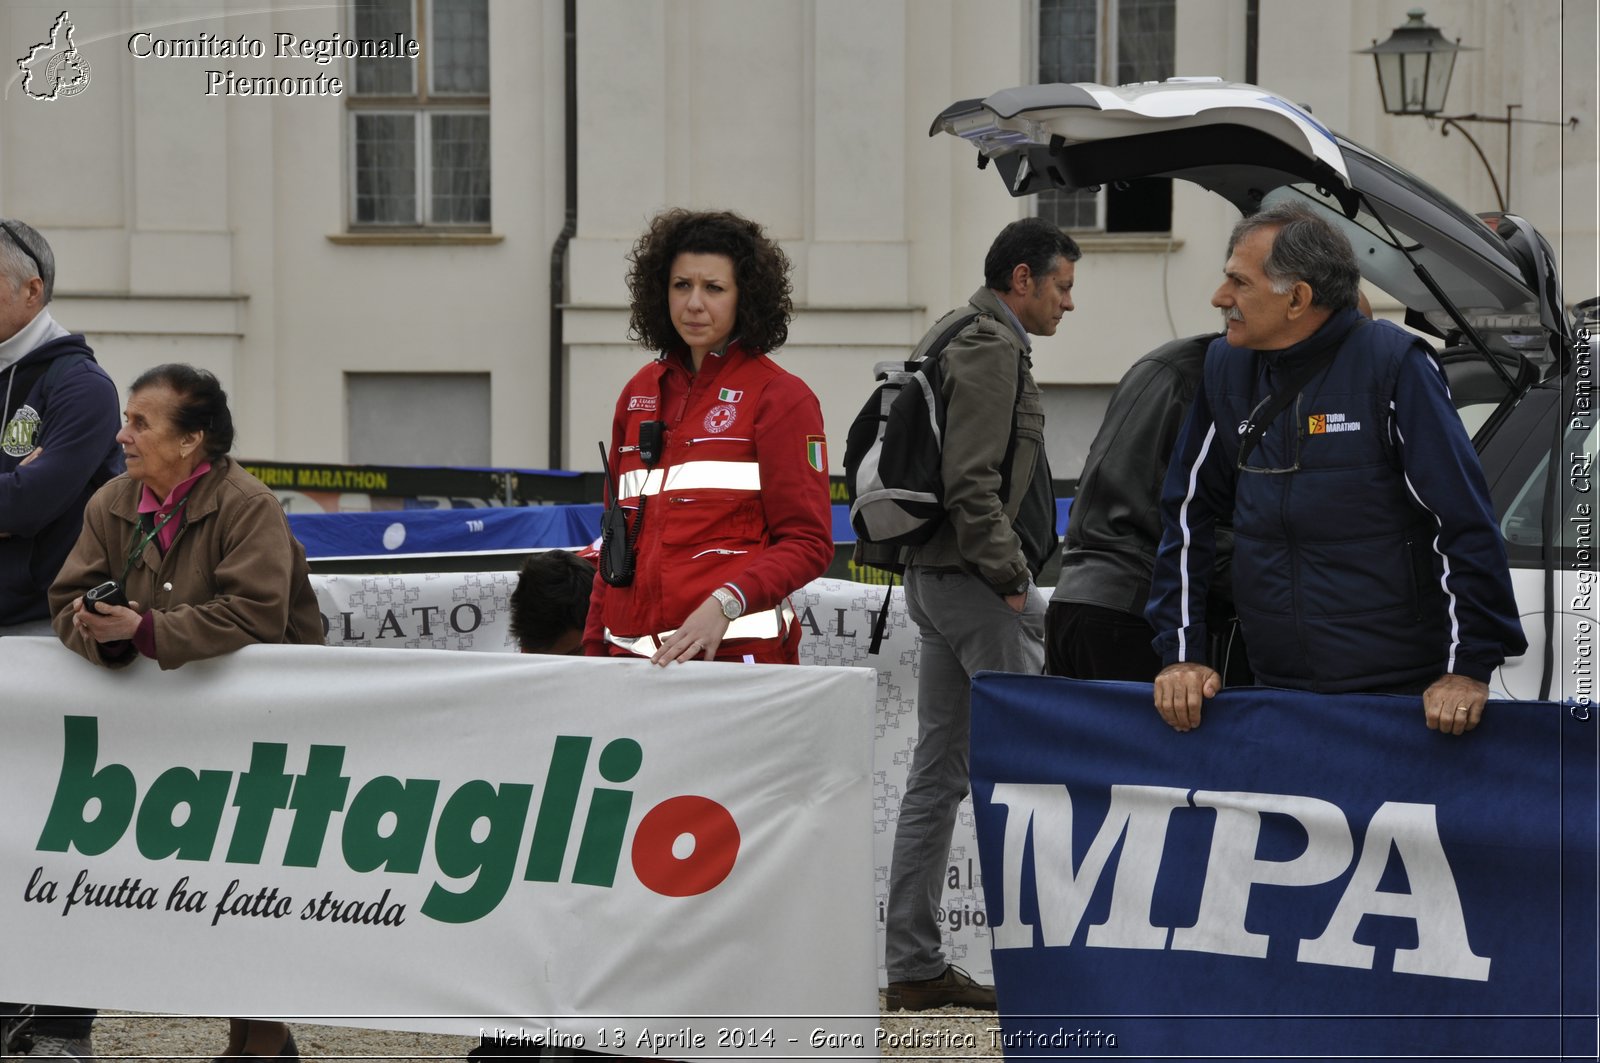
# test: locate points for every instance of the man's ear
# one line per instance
(1300, 296)
(1021, 278)
(33, 291)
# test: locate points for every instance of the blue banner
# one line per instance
(495, 530)
(1304, 875)
(441, 531)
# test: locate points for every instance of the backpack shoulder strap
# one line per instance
(957, 323)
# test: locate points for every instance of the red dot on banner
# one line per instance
(716, 846)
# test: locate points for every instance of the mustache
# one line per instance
(1232, 314)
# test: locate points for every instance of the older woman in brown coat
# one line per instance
(186, 556)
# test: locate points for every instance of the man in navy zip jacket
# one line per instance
(59, 417)
(1366, 553)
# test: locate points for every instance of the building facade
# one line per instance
(363, 246)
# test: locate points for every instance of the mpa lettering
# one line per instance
(384, 824)
(1139, 818)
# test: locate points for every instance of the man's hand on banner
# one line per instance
(1454, 704)
(1180, 689)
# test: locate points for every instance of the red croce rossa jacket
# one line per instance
(739, 498)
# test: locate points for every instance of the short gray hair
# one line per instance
(24, 255)
(1305, 248)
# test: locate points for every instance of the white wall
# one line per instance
(214, 230)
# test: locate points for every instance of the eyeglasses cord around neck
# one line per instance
(137, 549)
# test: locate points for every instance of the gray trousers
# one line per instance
(965, 628)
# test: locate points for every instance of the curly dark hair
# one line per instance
(760, 269)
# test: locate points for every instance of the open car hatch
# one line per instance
(1257, 149)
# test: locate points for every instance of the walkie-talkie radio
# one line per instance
(616, 544)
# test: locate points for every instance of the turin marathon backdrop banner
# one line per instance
(1301, 876)
(445, 842)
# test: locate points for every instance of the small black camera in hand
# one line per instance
(108, 593)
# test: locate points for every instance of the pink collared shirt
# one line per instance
(159, 510)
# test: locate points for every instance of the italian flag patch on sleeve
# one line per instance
(817, 453)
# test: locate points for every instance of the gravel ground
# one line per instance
(946, 1035)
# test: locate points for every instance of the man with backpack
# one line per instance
(59, 417)
(968, 587)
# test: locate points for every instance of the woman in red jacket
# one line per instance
(717, 456)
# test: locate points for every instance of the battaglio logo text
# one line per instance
(682, 846)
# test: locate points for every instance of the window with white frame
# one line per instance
(419, 129)
(1112, 42)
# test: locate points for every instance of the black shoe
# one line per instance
(954, 988)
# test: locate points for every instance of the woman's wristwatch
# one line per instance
(732, 606)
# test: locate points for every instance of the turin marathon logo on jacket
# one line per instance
(387, 824)
(21, 433)
(1322, 423)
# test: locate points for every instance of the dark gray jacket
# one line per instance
(1115, 525)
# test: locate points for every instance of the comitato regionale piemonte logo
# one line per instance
(55, 68)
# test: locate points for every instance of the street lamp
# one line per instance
(1414, 67)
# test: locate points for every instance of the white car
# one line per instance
(1486, 290)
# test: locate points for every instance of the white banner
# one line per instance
(430, 611)
(470, 611)
(657, 862)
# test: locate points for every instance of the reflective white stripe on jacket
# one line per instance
(691, 476)
(767, 624)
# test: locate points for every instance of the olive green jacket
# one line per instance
(1003, 541)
